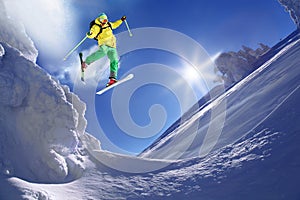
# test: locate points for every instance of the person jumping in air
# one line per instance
(101, 30)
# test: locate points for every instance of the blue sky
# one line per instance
(217, 26)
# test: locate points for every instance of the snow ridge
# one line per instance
(40, 122)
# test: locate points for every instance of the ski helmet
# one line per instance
(103, 17)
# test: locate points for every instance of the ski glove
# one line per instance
(123, 18)
(88, 33)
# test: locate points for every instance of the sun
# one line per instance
(191, 74)
(195, 78)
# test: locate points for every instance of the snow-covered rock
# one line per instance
(14, 34)
(236, 65)
(41, 122)
(293, 7)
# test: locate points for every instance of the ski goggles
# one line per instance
(103, 20)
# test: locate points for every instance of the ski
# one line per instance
(127, 78)
(82, 69)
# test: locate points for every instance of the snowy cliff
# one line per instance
(40, 122)
(293, 7)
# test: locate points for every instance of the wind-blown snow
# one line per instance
(48, 23)
(13, 33)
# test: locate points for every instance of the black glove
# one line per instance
(123, 18)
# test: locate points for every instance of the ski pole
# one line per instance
(82, 69)
(65, 58)
(130, 34)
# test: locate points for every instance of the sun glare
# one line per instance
(202, 78)
(194, 78)
(191, 74)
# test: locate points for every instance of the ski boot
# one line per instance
(112, 80)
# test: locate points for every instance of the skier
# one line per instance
(101, 30)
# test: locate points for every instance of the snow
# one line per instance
(14, 34)
(47, 22)
(45, 152)
(236, 65)
(2, 52)
(192, 178)
(293, 7)
(248, 109)
(39, 122)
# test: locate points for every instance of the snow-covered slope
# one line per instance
(250, 102)
(262, 165)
